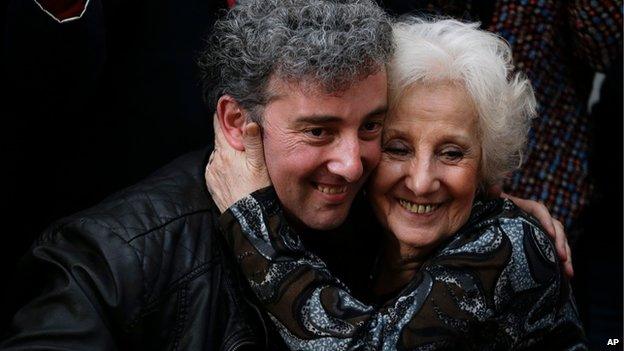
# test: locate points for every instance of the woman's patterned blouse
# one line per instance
(496, 285)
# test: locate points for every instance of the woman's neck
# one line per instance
(399, 263)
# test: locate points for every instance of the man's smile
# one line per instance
(331, 189)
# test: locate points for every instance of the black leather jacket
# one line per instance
(144, 269)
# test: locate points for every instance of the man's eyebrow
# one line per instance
(317, 119)
(321, 119)
(378, 111)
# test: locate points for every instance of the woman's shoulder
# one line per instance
(524, 232)
(499, 232)
(502, 268)
(501, 217)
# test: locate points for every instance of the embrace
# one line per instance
(351, 202)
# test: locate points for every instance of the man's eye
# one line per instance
(316, 132)
(371, 126)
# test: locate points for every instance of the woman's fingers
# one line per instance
(219, 140)
(254, 151)
(254, 154)
(232, 174)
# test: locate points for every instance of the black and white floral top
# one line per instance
(496, 285)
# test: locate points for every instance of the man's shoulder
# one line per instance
(160, 229)
(172, 193)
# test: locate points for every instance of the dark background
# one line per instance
(92, 106)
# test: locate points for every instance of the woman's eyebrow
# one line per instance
(391, 132)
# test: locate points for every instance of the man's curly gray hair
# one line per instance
(329, 43)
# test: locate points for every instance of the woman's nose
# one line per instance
(422, 176)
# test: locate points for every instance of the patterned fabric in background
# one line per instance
(559, 45)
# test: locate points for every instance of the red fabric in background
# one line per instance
(231, 3)
(63, 9)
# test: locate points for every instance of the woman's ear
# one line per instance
(231, 120)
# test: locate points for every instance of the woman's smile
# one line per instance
(419, 208)
(424, 186)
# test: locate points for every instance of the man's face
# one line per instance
(320, 147)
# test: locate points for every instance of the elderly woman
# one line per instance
(456, 270)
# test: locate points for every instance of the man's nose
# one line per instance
(346, 160)
(422, 176)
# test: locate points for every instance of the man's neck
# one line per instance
(348, 250)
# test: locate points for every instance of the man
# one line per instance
(146, 269)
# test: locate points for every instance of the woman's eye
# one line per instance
(396, 151)
(452, 155)
(395, 148)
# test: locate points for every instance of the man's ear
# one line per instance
(232, 118)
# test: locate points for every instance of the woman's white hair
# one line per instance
(444, 50)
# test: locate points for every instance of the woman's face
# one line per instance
(426, 181)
